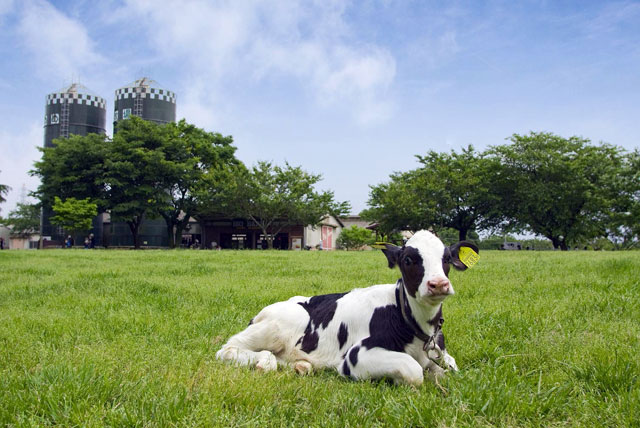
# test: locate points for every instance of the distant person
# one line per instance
(1, 243)
(86, 242)
(92, 241)
(67, 242)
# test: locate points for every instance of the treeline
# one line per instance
(568, 190)
(565, 189)
(175, 171)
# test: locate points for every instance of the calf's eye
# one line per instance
(407, 260)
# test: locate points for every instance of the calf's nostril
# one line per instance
(438, 284)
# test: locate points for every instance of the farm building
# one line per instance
(239, 233)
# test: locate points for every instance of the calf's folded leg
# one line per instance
(376, 363)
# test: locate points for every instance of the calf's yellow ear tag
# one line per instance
(379, 245)
(468, 256)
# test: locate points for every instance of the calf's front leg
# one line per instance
(377, 363)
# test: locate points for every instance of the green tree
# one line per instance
(136, 172)
(24, 220)
(450, 190)
(197, 164)
(624, 217)
(393, 206)
(73, 214)
(73, 168)
(560, 188)
(275, 197)
(355, 238)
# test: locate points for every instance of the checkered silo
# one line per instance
(73, 110)
(146, 99)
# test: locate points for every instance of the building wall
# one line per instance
(229, 233)
(324, 235)
(5, 234)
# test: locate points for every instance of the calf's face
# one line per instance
(424, 262)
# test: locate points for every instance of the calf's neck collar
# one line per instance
(416, 316)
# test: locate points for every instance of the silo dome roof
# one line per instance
(143, 82)
(143, 88)
(76, 93)
(76, 88)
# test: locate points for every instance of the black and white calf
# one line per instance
(388, 330)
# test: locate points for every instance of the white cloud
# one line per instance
(59, 46)
(255, 41)
(19, 152)
(6, 6)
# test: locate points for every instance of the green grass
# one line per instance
(125, 338)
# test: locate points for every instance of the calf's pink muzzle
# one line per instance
(439, 286)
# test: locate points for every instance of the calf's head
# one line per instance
(425, 262)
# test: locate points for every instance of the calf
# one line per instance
(388, 330)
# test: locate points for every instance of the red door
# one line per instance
(327, 237)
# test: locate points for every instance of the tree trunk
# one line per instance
(462, 234)
(171, 234)
(269, 239)
(557, 243)
(563, 245)
(134, 226)
(178, 238)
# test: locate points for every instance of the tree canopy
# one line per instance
(275, 197)
(198, 165)
(145, 170)
(560, 188)
(73, 167)
(355, 238)
(24, 220)
(566, 189)
(73, 214)
(450, 190)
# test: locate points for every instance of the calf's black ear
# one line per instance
(455, 254)
(393, 253)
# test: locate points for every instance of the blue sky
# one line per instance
(351, 90)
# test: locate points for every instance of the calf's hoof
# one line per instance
(266, 361)
(227, 353)
(303, 367)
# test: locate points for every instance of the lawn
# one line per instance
(128, 338)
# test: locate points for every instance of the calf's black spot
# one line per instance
(388, 330)
(440, 340)
(345, 369)
(353, 355)
(412, 268)
(343, 334)
(321, 310)
(309, 341)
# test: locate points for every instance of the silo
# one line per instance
(71, 110)
(146, 99)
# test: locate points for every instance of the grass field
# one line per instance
(126, 338)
